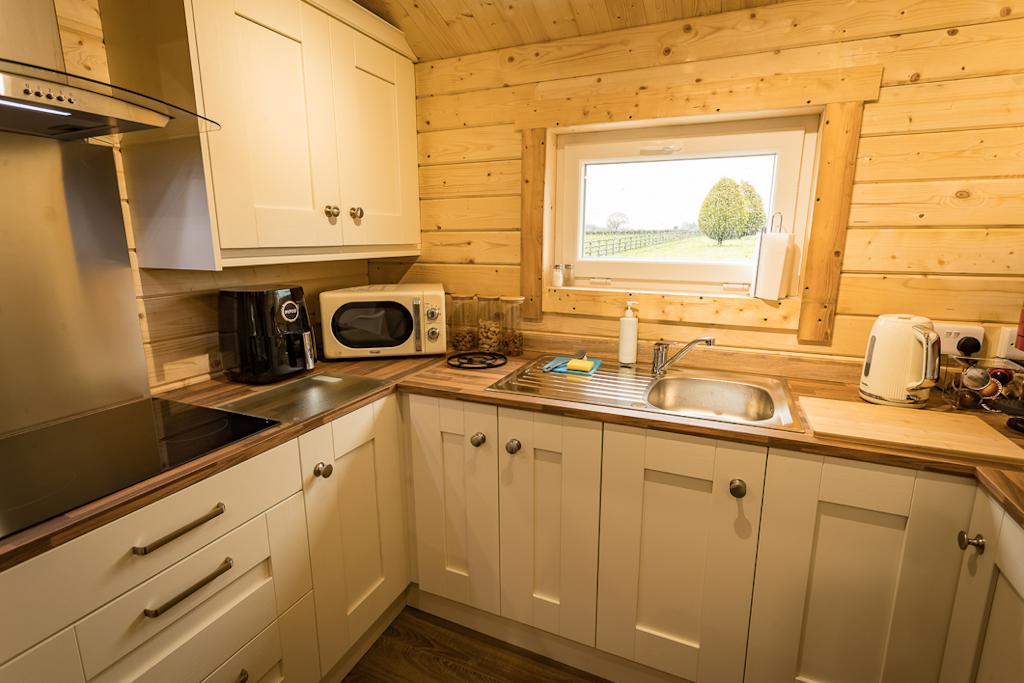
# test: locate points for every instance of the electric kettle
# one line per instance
(902, 361)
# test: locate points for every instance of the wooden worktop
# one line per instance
(431, 376)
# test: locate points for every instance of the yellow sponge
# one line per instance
(577, 365)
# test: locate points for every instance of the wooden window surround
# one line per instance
(564, 106)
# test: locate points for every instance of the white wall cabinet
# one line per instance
(986, 635)
(856, 571)
(316, 157)
(678, 551)
(352, 480)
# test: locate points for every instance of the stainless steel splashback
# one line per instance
(70, 340)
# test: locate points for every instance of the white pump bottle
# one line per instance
(628, 327)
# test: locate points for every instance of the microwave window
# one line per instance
(372, 324)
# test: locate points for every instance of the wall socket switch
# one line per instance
(951, 335)
(1006, 349)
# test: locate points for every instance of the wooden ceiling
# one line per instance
(437, 29)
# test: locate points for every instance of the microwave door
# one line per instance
(372, 325)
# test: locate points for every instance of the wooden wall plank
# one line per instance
(84, 54)
(973, 202)
(472, 213)
(470, 180)
(972, 251)
(535, 157)
(934, 156)
(476, 279)
(81, 16)
(792, 24)
(490, 143)
(988, 299)
(824, 257)
(489, 247)
(158, 282)
(693, 99)
(995, 101)
(685, 308)
(179, 359)
(478, 108)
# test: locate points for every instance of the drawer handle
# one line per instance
(161, 542)
(964, 542)
(153, 613)
(738, 488)
(243, 676)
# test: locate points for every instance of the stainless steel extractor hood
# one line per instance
(38, 97)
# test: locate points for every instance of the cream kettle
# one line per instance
(902, 361)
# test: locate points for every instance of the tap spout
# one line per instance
(660, 364)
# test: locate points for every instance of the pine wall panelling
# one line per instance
(936, 213)
(178, 309)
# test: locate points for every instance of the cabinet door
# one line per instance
(251, 58)
(455, 478)
(677, 551)
(376, 139)
(986, 635)
(550, 506)
(856, 571)
(356, 524)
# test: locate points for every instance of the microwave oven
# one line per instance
(383, 320)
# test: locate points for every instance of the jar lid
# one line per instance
(487, 297)
(462, 296)
(513, 299)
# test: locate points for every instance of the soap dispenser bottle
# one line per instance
(628, 326)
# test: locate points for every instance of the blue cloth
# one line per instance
(564, 371)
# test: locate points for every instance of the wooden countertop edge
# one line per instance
(1005, 485)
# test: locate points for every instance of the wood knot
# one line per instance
(511, 59)
(753, 15)
(667, 51)
(915, 77)
(1005, 12)
(952, 32)
(962, 194)
(687, 28)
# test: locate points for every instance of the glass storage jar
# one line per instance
(512, 325)
(489, 324)
(463, 323)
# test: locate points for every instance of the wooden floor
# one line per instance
(420, 648)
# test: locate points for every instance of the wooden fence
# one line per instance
(629, 241)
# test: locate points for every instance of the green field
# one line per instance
(694, 248)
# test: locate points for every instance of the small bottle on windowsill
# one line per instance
(556, 275)
(568, 275)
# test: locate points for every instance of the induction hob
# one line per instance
(47, 471)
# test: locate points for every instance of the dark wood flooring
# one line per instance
(420, 648)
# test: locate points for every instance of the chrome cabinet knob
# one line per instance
(478, 439)
(327, 210)
(513, 446)
(964, 542)
(355, 212)
(332, 211)
(738, 488)
(322, 470)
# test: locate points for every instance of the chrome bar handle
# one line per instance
(161, 542)
(964, 542)
(417, 327)
(225, 567)
(309, 349)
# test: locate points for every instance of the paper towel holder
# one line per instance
(760, 248)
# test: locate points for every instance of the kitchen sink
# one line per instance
(738, 398)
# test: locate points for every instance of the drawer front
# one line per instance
(254, 661)
(53, 661)
(44, 594)
(192, 648)
(137, 616)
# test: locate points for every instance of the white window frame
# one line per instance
(792, 140)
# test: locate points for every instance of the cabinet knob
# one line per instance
(513, 446)
(964, 542)
(478, 440)
(738, 488)
(322, 470)
(327, 211)
(332, 211)
(243, 677)
(355, 212)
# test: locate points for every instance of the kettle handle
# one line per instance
(930, 367)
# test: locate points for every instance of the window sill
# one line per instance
(694, 309)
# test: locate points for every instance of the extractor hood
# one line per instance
(38, 97)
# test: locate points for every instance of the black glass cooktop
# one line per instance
(48, 471)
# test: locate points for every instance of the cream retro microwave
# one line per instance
(383, 320)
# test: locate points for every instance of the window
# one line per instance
(683, 207)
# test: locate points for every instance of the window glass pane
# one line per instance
(677, 209)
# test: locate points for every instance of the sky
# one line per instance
(657, 195)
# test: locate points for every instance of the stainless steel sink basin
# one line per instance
(738, 398)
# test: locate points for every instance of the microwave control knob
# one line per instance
(433, 313)
(433, 333)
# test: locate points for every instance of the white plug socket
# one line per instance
(1006, 349)
(950, 336)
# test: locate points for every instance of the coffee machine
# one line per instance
(265, 335)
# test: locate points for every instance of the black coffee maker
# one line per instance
(265, 335)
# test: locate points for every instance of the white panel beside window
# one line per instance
(662, 247)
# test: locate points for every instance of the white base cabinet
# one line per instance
(986, 635)
(352, 480)
(856, 571)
